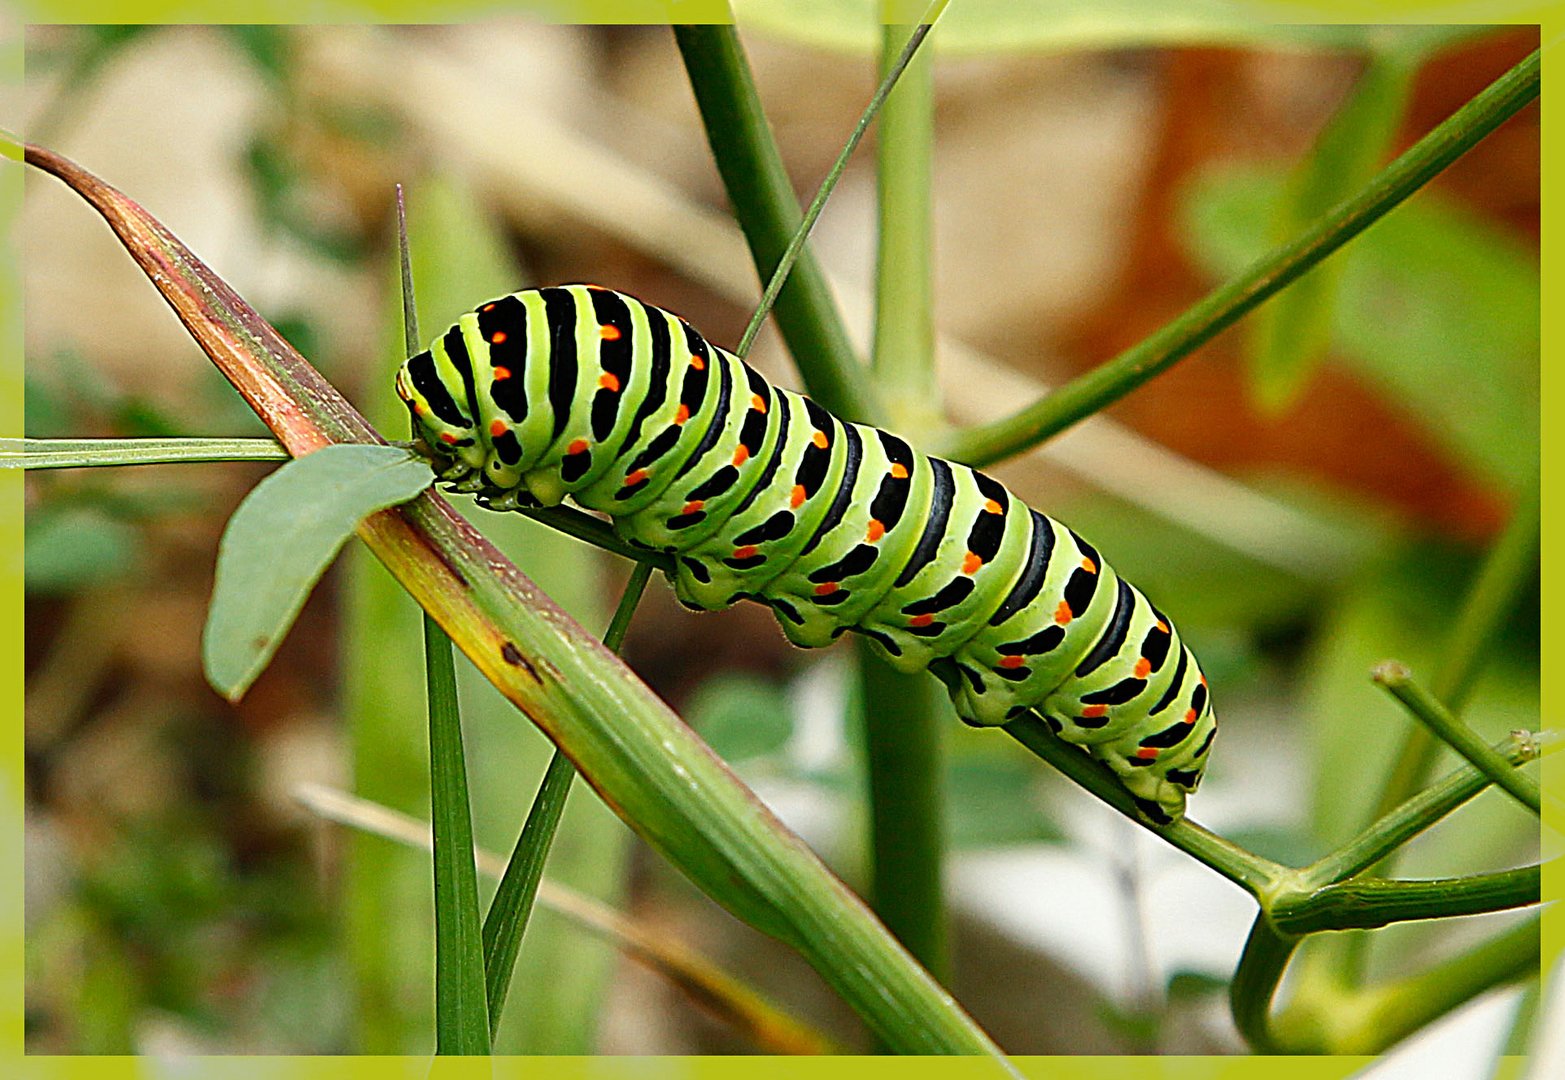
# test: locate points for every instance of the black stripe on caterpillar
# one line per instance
(761, 494)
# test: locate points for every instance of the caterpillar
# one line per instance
(759, 493)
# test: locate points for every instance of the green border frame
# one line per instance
(1549, 17)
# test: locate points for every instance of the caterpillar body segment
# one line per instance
(759, 493)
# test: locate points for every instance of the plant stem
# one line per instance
(1412, 817)
(1249, 871)
(1222, 307)
(1510, 564)
(891, 72)
(100, 453)
(1398, 681)
(1261, 966)
(768, 212)
(1366, 904)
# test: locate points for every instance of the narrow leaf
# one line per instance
(280, 541)
(461, 1012)
(99, 453)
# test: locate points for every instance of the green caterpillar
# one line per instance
(762, 494)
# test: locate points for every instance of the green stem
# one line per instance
(1256, 875)
(1111, 381)
(889, 76)
(1509, 566)
(903, 728)
(1366, 904)
(903, 356)
(1398, 681)
(1412, 817)
(768, 212)
(513, 900)
(1261, 966)
(99, 453)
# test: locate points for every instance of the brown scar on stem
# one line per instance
(513, 656)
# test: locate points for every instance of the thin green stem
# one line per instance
(1111, 381)
(1364, 904)
(513, 900)
(1398, 681)
(903, 729)
(1509, 566)
(1418, 813)
(102, 453)
(1251, 872)
(904, 717)
(813, 212)
(767, 210)
(1261, 967)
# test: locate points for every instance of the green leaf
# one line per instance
(280, 541)
(990, 26)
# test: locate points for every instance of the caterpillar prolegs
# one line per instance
(761, 494)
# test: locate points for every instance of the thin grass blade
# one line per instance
(101, 453)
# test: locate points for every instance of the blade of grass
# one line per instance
(506, 921)
(100, 453)
(461, 995)
(1222, 307)
(709, 987)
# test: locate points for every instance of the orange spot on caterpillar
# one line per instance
(609, 332)
(820, 440)
(1093, 711)
(1203, 680)
(447, 438)
(1063, 613)
(758, 403)
(1147, 753)
(971, 564)
(579, 446)
(488, 307)
(501, 373)
(1189, 716)
(826, 588)
(921, 620)
(876, 530)
(499, 338)
(609, 381)
(1143, 668)
(992, 507)
(745, 552)
(1089, 566)
(797, 497)
(693, 506)
(698, 363)
(741, 455)
(636, 477)
(1012, 661)
(898, 471)
(1162, 627)
(682, 415)
(497, 428)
